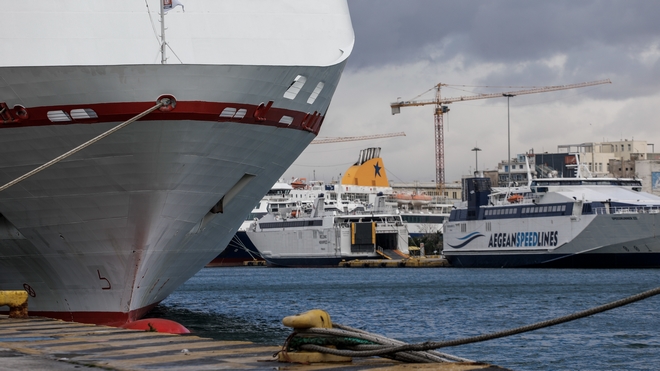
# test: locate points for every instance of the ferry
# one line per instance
(427, 220)
(324, 239)
(240, 250)
(580, 222)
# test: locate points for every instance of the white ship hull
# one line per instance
(604, 241)
(325, 246)
(588, 225)
(109, 232)
(324, 239)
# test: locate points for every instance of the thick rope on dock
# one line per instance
(421, 352)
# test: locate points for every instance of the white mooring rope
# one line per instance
(162, 102)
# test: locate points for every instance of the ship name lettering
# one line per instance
(523, 239)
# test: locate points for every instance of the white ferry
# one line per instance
(557, 222)
(324, 239)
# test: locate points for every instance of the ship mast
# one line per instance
(163, 58)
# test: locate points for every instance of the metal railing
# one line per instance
(627, 210)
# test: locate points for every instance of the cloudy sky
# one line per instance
(405, 48)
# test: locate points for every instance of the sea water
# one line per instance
(436, 304)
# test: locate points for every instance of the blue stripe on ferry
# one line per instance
(470, 237)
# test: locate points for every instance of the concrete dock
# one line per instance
(413, 262)
(39, 343)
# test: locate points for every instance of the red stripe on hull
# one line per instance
(114, 319)
(184, 110)
(231, 262)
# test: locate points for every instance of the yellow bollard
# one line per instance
(315, 318)
(17, 300)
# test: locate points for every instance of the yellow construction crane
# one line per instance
(441, 108)
(349, 139)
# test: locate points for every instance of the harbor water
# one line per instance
(436, 304)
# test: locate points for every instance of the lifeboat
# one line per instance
(515, 199)
(299, 183)
(421, 199)
(403, 198)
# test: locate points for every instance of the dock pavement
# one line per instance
(38, 343)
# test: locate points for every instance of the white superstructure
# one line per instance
(324, 239)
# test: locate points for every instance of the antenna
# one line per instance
(163, 58)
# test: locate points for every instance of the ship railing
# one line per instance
(514, 198)
(628, 210)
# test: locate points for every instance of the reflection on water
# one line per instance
(422, 304)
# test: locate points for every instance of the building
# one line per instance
(519, 170)
(597, 156)
(447, 194)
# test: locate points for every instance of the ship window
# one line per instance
(315, 93)
(231, 112)
(83, 113)
(58, 116)
(228, 112)
(240, 113)
(295, 87)
(287, 120)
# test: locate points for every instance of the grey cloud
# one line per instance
(509, 31)
(598, 38)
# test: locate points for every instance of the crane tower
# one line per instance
(350, 139)
(441, 108)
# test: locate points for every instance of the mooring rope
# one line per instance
(426, 346)
(162, 102)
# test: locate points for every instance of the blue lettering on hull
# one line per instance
(523, 239)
